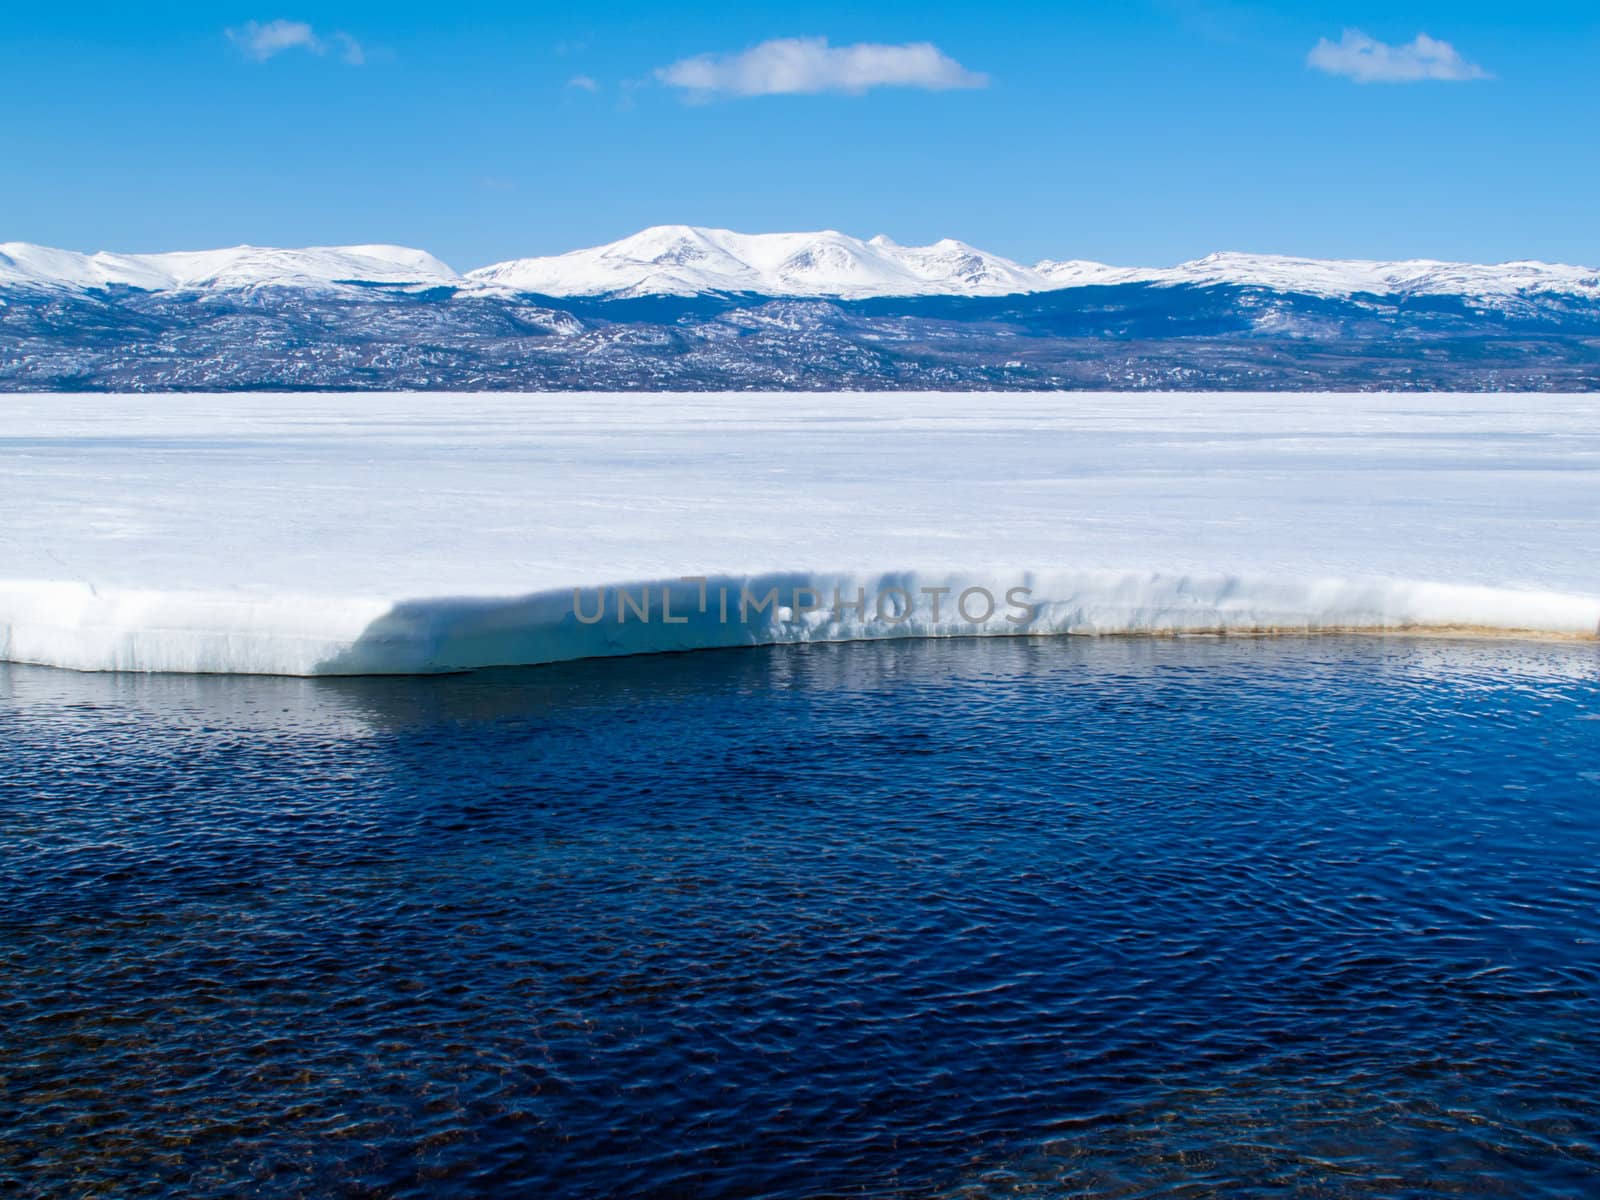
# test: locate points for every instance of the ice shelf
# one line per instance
(384, 533)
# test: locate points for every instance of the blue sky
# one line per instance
(1140, 132)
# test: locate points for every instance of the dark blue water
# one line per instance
(1114, 918)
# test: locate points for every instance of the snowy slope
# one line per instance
(242, 267)
(683, 260)
(1330, 277)
(398, 533)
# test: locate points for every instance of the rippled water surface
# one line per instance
(987, 918)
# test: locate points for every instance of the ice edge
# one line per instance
(77, 626)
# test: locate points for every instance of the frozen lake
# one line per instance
(317, 533)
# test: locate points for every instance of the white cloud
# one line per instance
(1367, 60)
(583, 83)
(263, 39)
(807, 65)
(352, 52)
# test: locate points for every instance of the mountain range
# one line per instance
(683, 260)
(686, 307)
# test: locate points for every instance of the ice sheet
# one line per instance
(313, 534)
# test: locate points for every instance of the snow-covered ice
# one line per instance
(315, 534)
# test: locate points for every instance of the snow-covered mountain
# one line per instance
(239, 268)
(683, 260)
(1344, 277)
